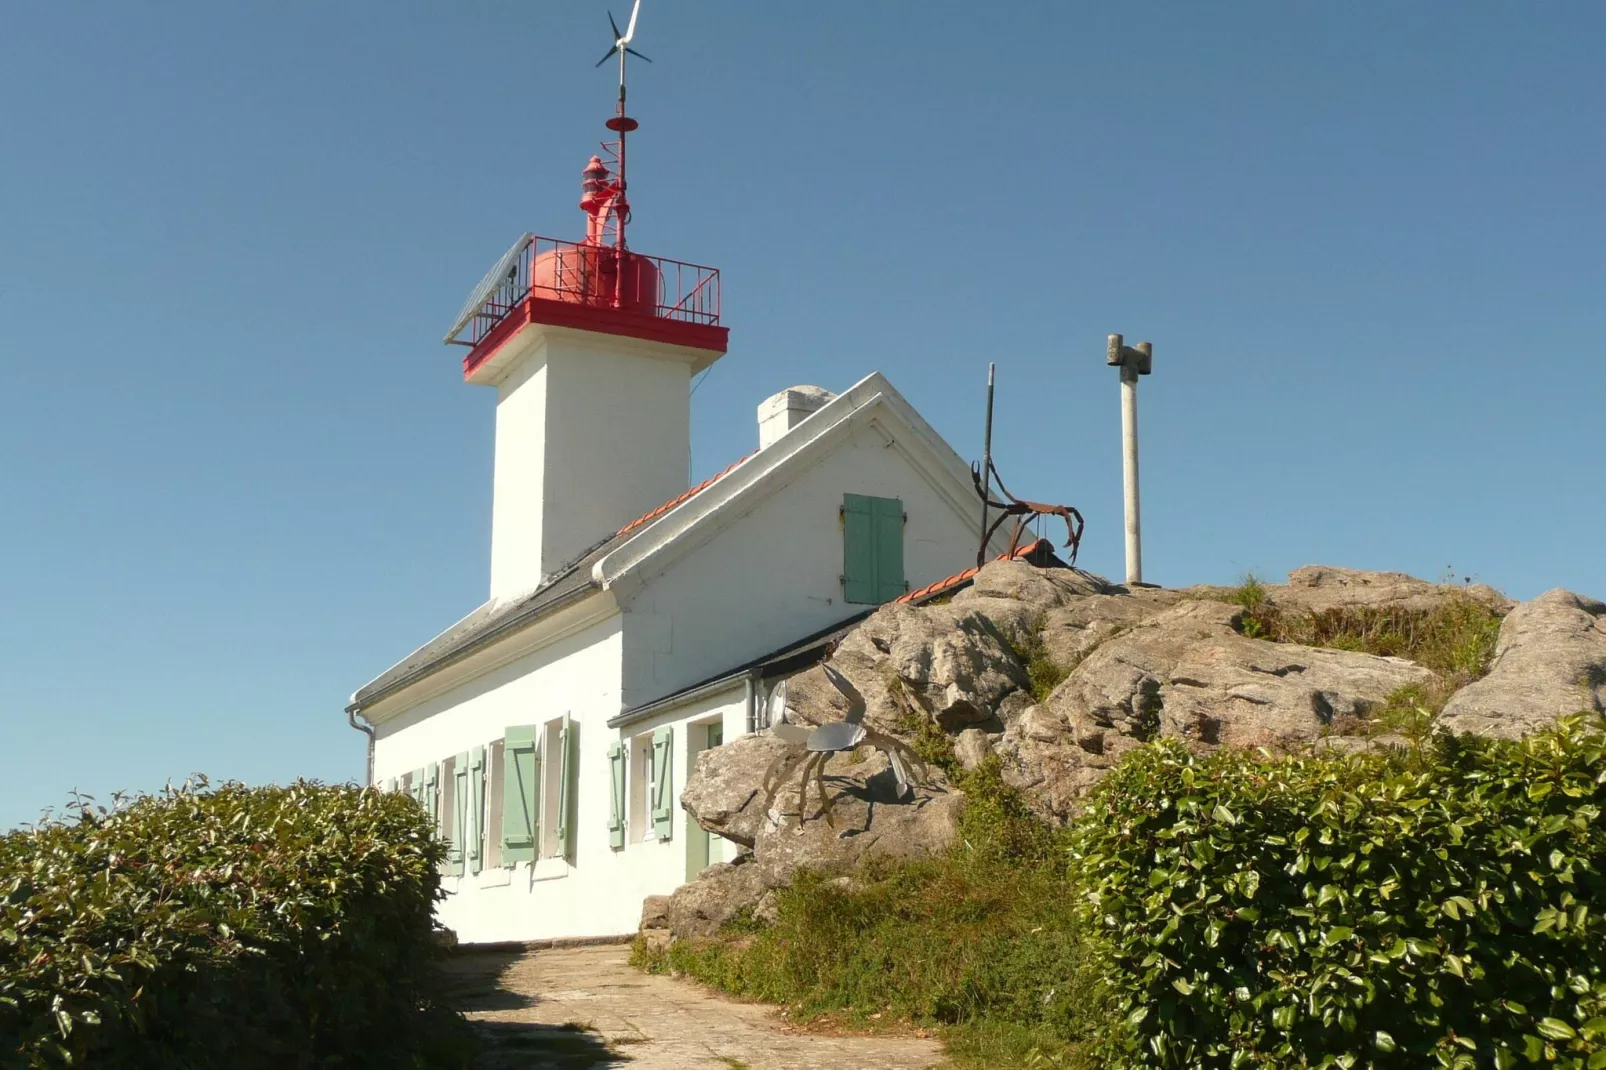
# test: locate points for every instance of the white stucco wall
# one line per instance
(774, 575)
(601, 892)
(591, 432)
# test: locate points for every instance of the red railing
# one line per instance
(598, 276)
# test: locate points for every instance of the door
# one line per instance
(703, 848)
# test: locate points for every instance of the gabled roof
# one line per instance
(495, 618)
(624, 559)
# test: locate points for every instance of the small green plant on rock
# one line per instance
(1043, 673)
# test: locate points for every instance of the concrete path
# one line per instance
(574, 1008)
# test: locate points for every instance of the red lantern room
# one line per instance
(595, 284)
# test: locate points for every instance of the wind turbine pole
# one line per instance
(1133, 361)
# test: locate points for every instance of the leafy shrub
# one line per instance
(282, 927)
(1440, 907)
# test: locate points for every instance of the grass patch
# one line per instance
(980, 944)
(1455, 639)
(916, 727)
(1043, 673)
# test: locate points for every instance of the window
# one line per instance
(872, 549)
(641, 781)
(651, 786)
(539, 791)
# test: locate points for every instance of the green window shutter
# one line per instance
(888, 548)
(662, 782)
(415, 786)
(521, 788)
(476, 808)
(858, 549)
(616, 795)
(568, 738)
(457, 839)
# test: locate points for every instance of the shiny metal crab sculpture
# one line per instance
(810, 748)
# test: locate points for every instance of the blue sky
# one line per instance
(239, 475)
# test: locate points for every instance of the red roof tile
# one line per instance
(671, 503)
(970, 573)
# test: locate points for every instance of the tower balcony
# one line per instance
(590, 287)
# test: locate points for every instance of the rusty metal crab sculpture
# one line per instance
(811, 747)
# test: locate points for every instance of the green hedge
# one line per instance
(1441, 907)
(266, 927)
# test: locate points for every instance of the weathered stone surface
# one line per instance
(1186, 673)
(655, 912)
(972, 748)
(722, 792)
(1324, 587)
(952, 661)
(701, 907)
(868, 821)
(1115, 691)
(1041, 588)
(1549, 662)
(1071, 631)
(1249, 693)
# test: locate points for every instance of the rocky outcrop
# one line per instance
(956, 662)
(1139, 665)
(1186, 673)
(868, 820)
(722, 792)
(1549, 662)
(1324, 587)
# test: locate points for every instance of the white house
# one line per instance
(633, 621)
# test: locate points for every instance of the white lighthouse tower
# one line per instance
(591, 348)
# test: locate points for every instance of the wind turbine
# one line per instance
(621, 45)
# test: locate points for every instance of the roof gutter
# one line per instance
(360, 702)
(367, 730)
(680, 698)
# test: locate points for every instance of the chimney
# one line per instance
(779, 413)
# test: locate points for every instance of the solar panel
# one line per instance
(493, 281)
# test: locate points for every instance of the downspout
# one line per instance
(367, 730)
(748, 691)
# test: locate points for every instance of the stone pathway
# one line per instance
(573, 1008)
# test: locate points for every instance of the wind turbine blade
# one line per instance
(630, 31)
(608, 56)
(638, 55)
(614, 26)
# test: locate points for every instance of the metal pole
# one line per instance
(1133, 361)
(1129, 474)
(986, 468)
